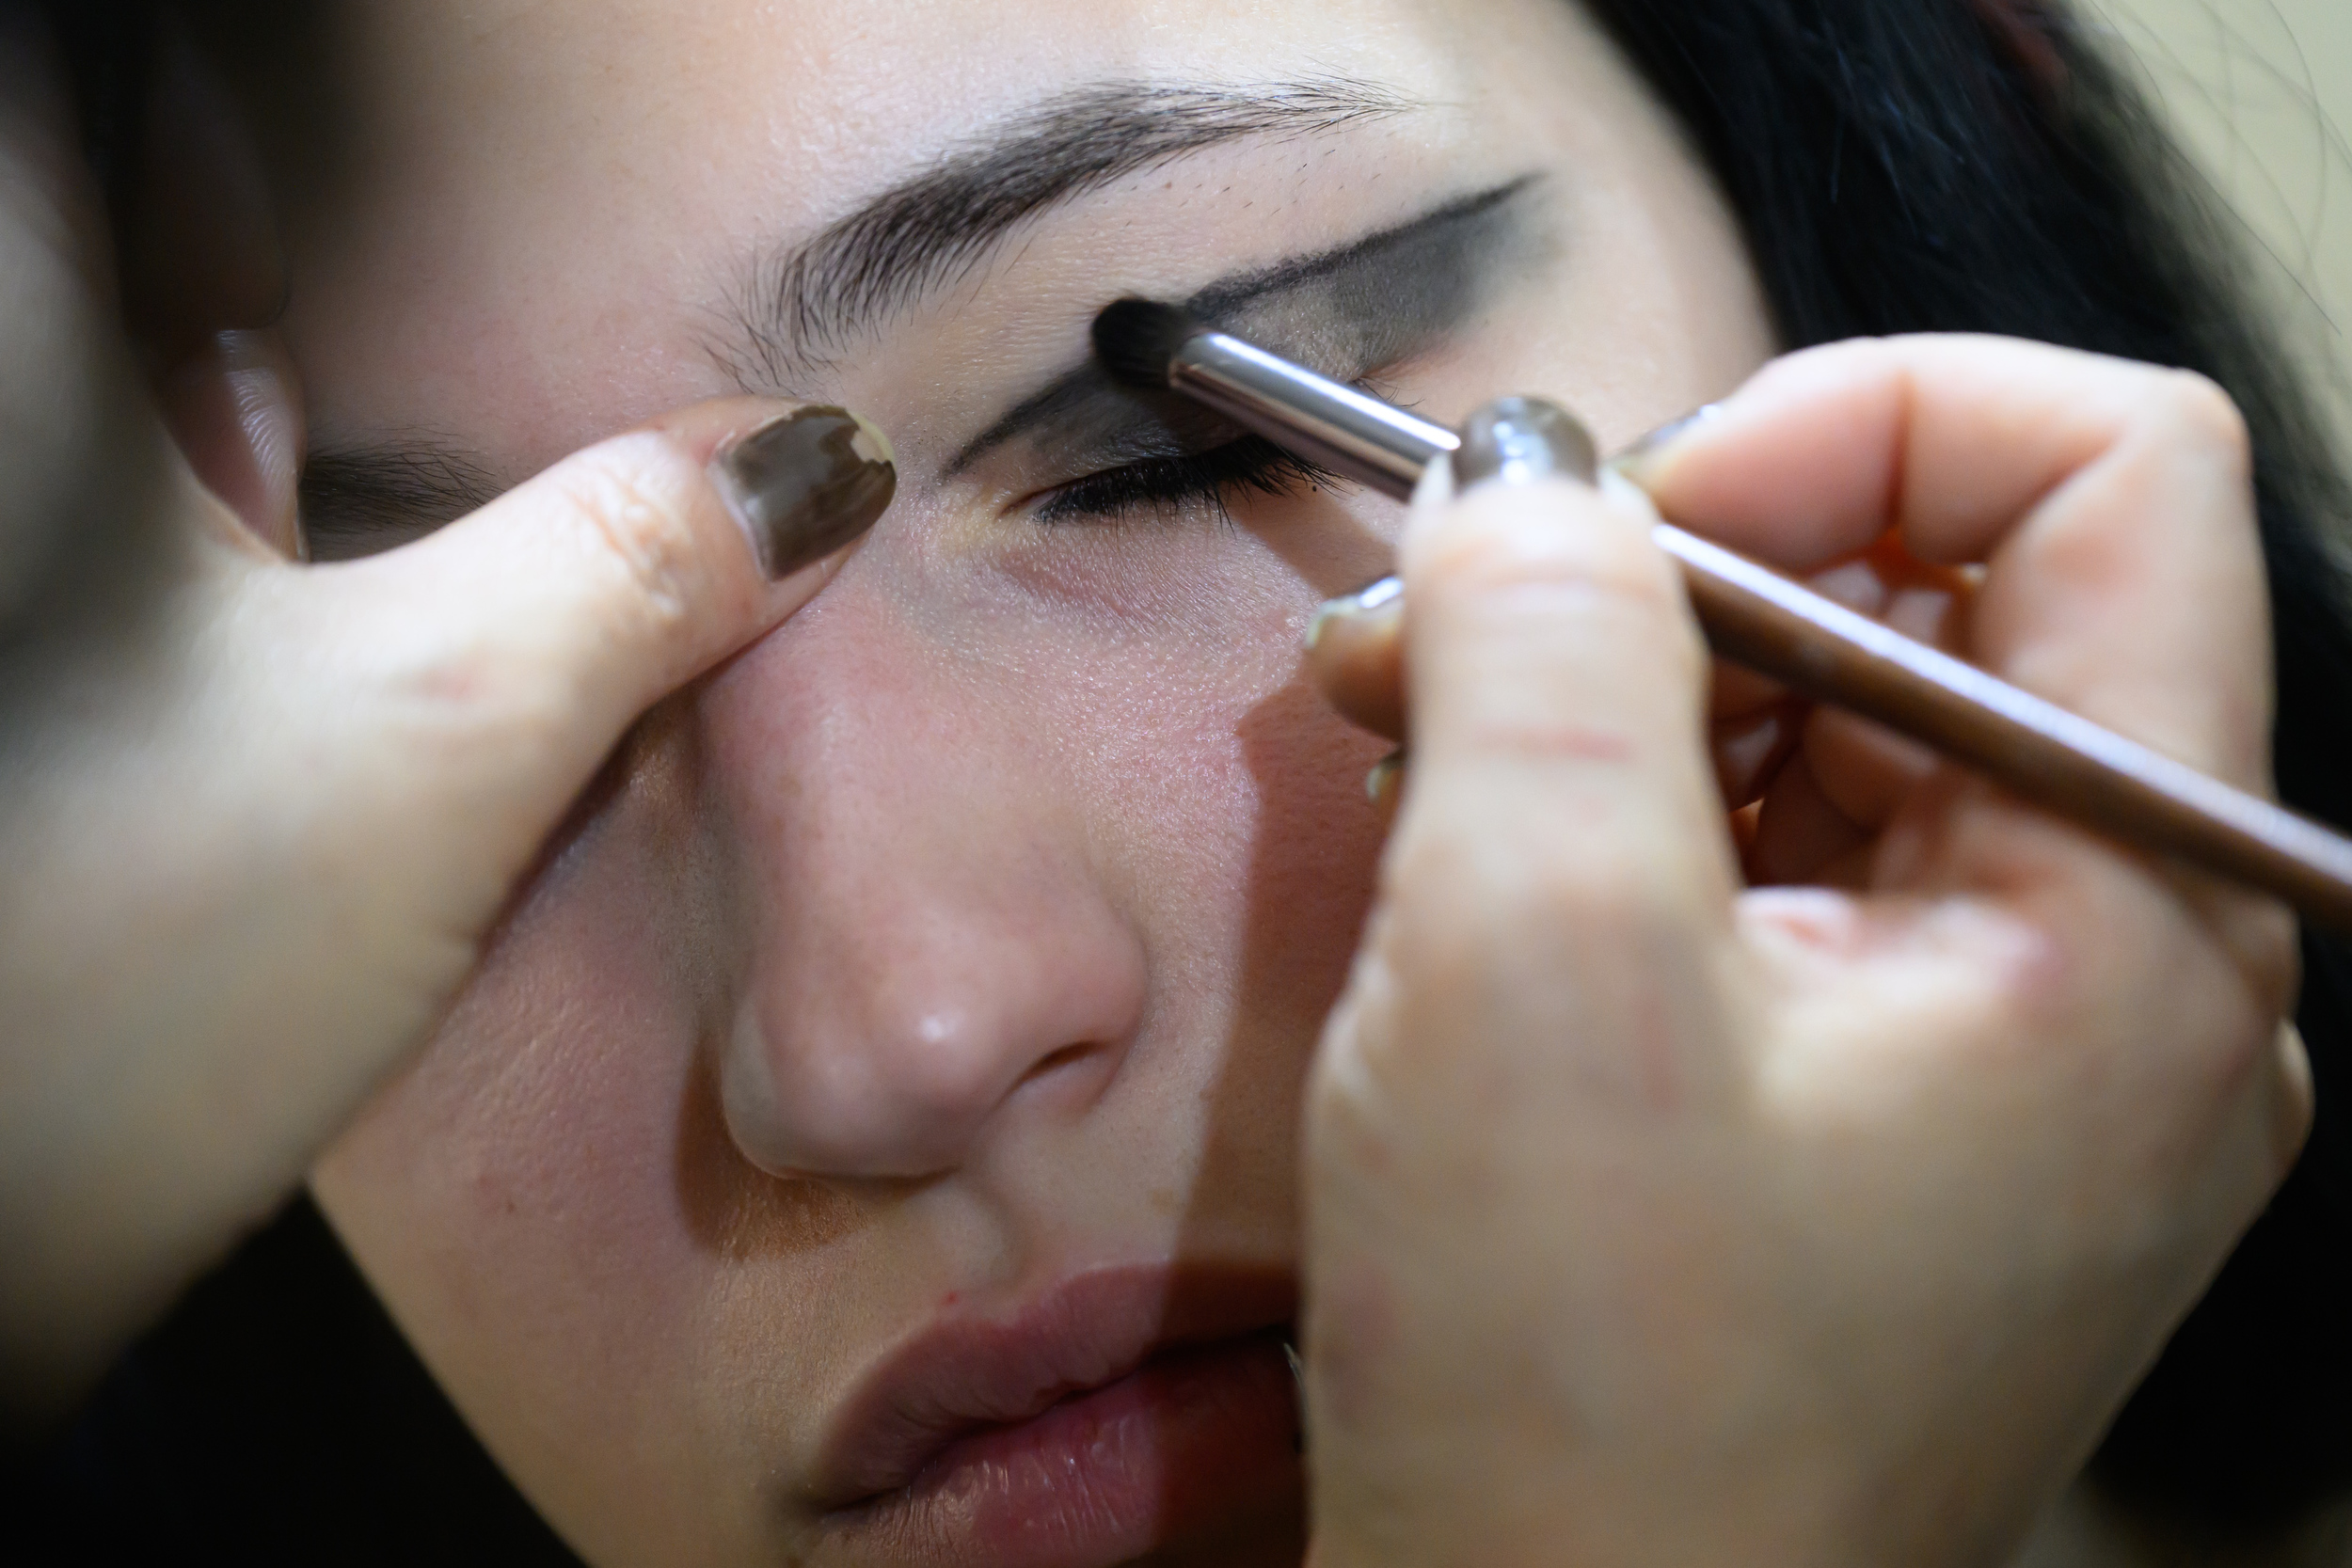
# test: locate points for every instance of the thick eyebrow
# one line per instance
(802, 305)
(362, 500)
(1408, 243)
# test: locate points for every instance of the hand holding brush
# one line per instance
(2092, 775)
(1653, 1215)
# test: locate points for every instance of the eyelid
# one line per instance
(1169, 485)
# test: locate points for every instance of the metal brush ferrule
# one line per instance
(1311, 415)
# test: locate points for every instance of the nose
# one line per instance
(930, 947)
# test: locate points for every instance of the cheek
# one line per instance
(547, 1191)
(551, 1094)
(1135, 689)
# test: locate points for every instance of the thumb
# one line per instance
(362, 759)
(497, 662)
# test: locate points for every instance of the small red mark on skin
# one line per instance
(1572, 741)
(951, 1298)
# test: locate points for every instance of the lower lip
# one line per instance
(1197, 1444)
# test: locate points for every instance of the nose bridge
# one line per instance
(929, 933)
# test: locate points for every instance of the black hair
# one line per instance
(1977, 166)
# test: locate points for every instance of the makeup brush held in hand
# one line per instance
(1754, 616)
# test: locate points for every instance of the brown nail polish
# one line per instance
(1356, 656)
(1521, 440)
(1635, 458)
(807, 483)
(1372, 595)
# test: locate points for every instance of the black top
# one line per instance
(277, 1416)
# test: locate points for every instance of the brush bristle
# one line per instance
(1136, 337)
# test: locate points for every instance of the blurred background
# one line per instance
(2261, 91)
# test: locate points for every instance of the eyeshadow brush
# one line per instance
(1755, 617)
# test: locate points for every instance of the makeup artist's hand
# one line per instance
(1655, 1218)
(255, 816)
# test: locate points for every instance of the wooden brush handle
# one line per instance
(2090, 775)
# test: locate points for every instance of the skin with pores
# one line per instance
(972, 932)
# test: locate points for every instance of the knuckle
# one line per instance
(1587, 975)
(2264, 938)
(2198, 410)
(1497, 541)
(1465, 899)
(1440, 912)
(438, 693)
(1598, 580)
(635, 505)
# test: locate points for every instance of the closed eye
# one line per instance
(1169, 488)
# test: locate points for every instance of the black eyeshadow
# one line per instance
(1369, 304)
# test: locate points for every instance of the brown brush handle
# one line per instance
(2091, 776)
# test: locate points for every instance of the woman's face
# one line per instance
(872, 1137)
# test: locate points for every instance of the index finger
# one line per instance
(1560, 864)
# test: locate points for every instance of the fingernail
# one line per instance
(1637, 458)
(805, 483)
(1521, 440)
(1371, 596)
(1381, 784)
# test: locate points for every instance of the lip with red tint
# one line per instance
(1123, 1410)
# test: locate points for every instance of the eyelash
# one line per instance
(1169, 486)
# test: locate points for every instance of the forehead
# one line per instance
(833, 93)
(539, 215)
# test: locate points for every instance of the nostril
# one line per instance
(1047, 1066)
(1070, 1078)
(878, 1098)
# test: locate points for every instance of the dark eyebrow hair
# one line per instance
(804, 304)
(362, 500)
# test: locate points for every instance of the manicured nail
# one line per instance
(1371, 596)
(1521, 440)
(805, 483)
(1638, 457)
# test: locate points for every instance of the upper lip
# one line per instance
(969, 1368)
